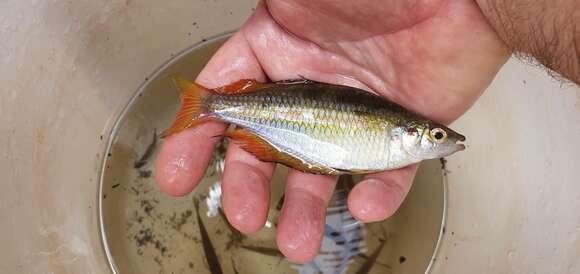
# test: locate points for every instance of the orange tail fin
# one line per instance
(192, 108)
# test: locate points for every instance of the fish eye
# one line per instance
(438, 135)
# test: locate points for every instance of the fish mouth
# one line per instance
(457, 140)
(459, 143)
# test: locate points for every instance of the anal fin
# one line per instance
(253, 144)
(267, 152)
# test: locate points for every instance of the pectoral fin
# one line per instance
(267, 152)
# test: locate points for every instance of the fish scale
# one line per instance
(327, 125)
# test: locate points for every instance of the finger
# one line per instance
(379, 195)
(246, 189)
(301, 224)
(184, 157)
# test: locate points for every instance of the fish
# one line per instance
(148, 152)
(234, 267)
(368, 265)
(269, 251)
(211, 257)
(316, 127)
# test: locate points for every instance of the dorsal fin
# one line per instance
(242, 86)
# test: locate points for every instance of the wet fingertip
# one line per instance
(170, 178)
(245, 197)
(181, 162)
(247, 218)
(245, 226)
(373, 200)
(301, 225)
(293, 254)
(175, 189)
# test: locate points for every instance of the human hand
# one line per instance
(434, 57)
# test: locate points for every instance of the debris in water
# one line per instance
(158, 261)
(145, 237)
(402, 259)
(178, 222)
(145, 173)
(444, 166)
(135, 190)
(280, 203)
(147, 207)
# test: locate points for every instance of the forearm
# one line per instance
(548, 30)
